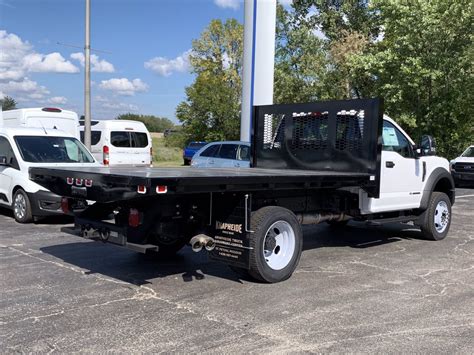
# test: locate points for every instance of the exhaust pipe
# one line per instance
(197, 242)
(316, 218)
(210, 244)
(202, 241)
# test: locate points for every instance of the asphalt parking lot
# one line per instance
(357, 289)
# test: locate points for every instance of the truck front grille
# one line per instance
(464, 167)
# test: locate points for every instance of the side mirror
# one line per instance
(427, 145)
(3, 160)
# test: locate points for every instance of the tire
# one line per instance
(21, 207)
(276, 244)
(437, 217)
(187, 162)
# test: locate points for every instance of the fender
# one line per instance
(435, 176)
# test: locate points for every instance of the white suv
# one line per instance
(22, 148)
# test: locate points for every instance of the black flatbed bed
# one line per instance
(117, 183)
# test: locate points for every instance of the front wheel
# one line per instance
(276, 242)
(22, 207)
(437, 218)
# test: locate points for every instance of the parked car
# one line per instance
(120, 142)
(228, 154)
(191, 149)
(46, 117)
(462, 168)
(23, 148)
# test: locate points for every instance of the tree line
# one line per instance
(416, 55)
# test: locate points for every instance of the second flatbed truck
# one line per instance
(317, 162)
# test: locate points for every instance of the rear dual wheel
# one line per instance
(276, 242)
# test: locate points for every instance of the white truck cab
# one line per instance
(406, 176)
(120, 142)
(22, 148)
(45, 117)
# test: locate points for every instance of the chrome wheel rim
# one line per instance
(20, 206)
(441, 216)
(279, 245)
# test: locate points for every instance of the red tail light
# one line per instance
(161, 189)
(134, 218)
(65, 205)
(105, 151)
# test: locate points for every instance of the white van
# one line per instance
(120, 142)
(23, 148)
(46, 117)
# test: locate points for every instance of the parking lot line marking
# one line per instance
(464, 196)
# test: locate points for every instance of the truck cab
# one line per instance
(407, 172)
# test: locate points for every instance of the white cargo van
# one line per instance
(120, 142)
(46, 118)
(23, 148)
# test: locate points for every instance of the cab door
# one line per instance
(401, 179)
(6, 171)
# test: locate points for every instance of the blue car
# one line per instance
(190, 150)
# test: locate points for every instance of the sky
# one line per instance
(140, 64)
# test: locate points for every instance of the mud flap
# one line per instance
(230, 225)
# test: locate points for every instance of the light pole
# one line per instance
(259, 60)
(87, 79)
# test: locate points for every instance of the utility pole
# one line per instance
(87, 80)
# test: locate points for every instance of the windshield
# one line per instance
(469, 153)
(45, 149)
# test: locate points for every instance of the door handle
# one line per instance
(389, 164)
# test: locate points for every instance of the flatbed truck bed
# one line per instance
(190, 180)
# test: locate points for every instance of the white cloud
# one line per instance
(123, 86)
(17, 59)
(165, 67)
(109, 108)
(97, 65)
(25, 89)
(58, 100)
(49, 63)
(228, 4)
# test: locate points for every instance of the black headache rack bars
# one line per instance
(337, 136)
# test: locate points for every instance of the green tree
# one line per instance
(152, 123)
(300, 60)
(211, 110)
(417, 55)
(423, 69)
(8, 103)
